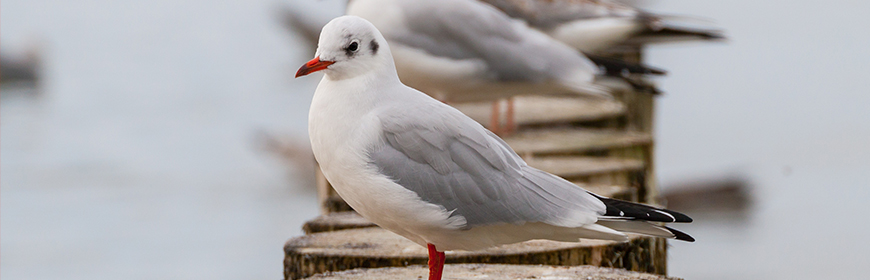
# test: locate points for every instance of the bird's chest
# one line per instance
(342, 153)
(339, 140)
(341, 135)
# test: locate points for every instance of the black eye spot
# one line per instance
(374, 45)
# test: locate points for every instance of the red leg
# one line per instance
(494, 118)
(510, 127)
(436, 262)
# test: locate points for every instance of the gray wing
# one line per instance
(549, 14)
(451, 161)
(465, 29)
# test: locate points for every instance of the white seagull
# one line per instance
(423, 170)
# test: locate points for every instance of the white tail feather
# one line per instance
(596, 231)
(588, 89)
(640, 227)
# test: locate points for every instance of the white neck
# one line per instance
(342, 104)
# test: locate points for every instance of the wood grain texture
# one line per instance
(581, 166)
(574, 140)
(493, 272)
(537, 110)
(376, 247)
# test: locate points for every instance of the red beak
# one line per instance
(313, 66)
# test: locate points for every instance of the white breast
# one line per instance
(342, 129)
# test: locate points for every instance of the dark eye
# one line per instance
(354, 46)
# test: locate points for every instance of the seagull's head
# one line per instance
(348, 46)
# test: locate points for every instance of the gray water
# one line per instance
(137, 158)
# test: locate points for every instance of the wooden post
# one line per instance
(375, 247)
(640, 117)
(493, 272)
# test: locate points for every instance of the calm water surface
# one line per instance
(138, 158)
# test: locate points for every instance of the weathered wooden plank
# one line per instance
(632, 180)
(582, 166)
(530, 110)
(375, 247)
(574, 140)
(546, 143)
(493, 272)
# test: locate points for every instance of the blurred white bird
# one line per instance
(596, 25)
(422, 169)
(466, 50)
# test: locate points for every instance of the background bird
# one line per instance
(594, 26)
(466, 50)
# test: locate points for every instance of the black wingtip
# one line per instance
(679, 235)
(680, 217)
(619, 68)
(625, 209)
(687, 33)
